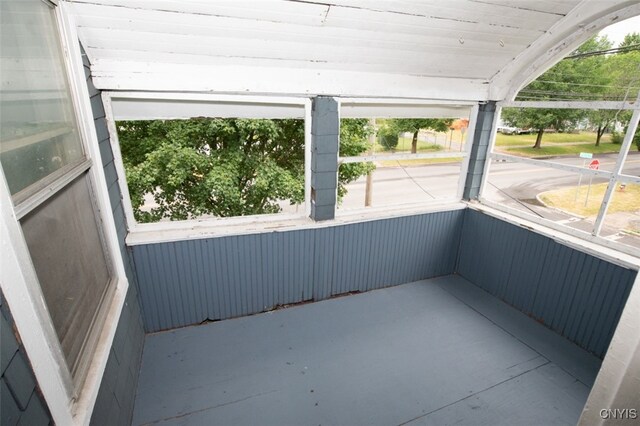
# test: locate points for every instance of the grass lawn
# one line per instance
(417, 162)
(548, 150)
(564, 199)
(404, 146)
(530, 139)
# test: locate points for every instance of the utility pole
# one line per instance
(368, 192)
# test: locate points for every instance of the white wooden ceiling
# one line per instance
(436, 49)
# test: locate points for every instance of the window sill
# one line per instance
(213, 228)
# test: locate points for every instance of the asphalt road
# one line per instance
(512, 184)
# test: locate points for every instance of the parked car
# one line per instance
(507, 130)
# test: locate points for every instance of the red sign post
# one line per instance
(593, 165)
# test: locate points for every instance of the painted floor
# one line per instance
(433, 352)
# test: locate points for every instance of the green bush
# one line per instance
(616, 138)
(388, 140)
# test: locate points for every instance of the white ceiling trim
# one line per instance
(584, 21)
(168, 106)
(116, 75)
(337, 47)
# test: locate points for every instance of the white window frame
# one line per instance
(410, 108)
(155, 230)
(614, 177)
(68, 404)
(148, 233)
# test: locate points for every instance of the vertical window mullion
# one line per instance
(622, 156)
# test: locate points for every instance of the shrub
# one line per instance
(616, 137)
(388, 140)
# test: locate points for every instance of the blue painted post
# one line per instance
(325, 139)
(479, 156)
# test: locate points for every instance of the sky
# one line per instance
(616, 32)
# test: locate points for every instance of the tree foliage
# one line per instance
(222, 167)
(570, 79)
(414, 125)
(354, 134)
(586, 77)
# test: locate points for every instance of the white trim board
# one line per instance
(614, 105)
(83, 407)
(117, 75)
(165, 106)
(394, 157)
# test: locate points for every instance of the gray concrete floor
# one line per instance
(435, 352)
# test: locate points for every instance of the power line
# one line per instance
(515, 199)
(575, 95)
(586, 84)
(415, 181)
(625, 49)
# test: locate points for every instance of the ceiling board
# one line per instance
(91, 16)
(264, 10)
(139, 60)
(454, 10)
(426, 63)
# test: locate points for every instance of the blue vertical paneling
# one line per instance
(114, 404)
(578, 295)
(187, 282)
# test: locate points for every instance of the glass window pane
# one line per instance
(556, 195)
(70, 261)
(631, 165)
(583, 141)
(38, 133)
(394, 183)
(392, 176)
(213, 167)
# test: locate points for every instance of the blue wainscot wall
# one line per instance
(188, 282)
(576, 294)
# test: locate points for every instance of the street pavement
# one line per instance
(515, 185)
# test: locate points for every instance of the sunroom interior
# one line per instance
(440, 306)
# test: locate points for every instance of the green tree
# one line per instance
(624, 69)
(540, 119)
(220, 167)
(354, 134)
(631, 39)
(414, 125)
(619, 75)
(571, 79)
